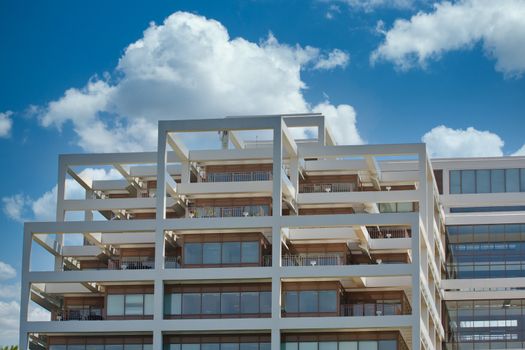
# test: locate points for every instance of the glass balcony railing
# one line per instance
(238, 176)
(375, 309)
(131, 263)
(328, 187)
(233, 211)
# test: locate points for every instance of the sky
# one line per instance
(96, 77)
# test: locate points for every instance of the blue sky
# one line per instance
(380, 81)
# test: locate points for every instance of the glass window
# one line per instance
(147, 347)
(387, 345)
(455, 182)
(265, 302)
(512, 180)
(148, 304)
(230, 303)
(522, 180)
(405, 207)
(387, 207)
(483, 181)
(497, 180)
(134, 304)
(174, 347)
(265, 346)
(211, 253)
(250, 252)
(249, 346)
(132, 346)
(76, 347)
(115, 347)
(368, 345)
(190, 346)
(308, 301)
(250, 302)
(210, 346)
(229, 346)
(328, 301)
(115, 305)
(310, 345)
(94, 346)
(468, 181)
(347, 345)
(291, 302)
(193, 253)
(328, 345)
(173, 304)
(58, 347)
(211, 303)
(191, 303)
(231, 252)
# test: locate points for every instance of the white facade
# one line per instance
(391, 220)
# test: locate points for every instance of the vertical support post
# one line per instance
(277, 169)
(276, 338)
(60, 213)
(157, 339)
(25, 289)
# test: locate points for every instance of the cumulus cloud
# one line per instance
(21, 207)
(460, 25)
(6, 271)
(9, 312)
(371, 5)
(443, 142)
(5, 124)
(336, 58)
(520, 152)
(187, 67)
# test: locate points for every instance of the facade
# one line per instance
(280, 243)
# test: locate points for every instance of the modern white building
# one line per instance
(220, 242)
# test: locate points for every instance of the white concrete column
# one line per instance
(277, 169)
(276, 338)
(157, 339)
(25, 289)
(60, 213)
(416, 292)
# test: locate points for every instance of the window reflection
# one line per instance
(487, 181)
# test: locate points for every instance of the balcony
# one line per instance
(230, 211)
(388, 232)
(127, 263)
(328, 187)
(375, 309)
(174, 262)
(314, 260)
(80, 314)
(238, 176)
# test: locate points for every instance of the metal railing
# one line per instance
(373, 309)
(327, 188)
(388, 232)
(131, 263)
(317, 260)
(236, 211)
(80, 314)
(238, 176)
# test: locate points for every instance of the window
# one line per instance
(230, 303)
(229, 346)
(455, 182)
(497, 180)
(211, 303)
(193, 253)
(134, 304)
(347, 345)
(291, 302)
(190, 347)
(148, 304)
(173, 304)
(310, 345)
(512, 180)
(231, 252)
(328, 301)
(483, 181)
(115, 305)
(308, 301)
(468, 181)
(328, 345)
(265, 302)
(368, 345)
(191, 303)
(249, 346)
(250, 252)
(210, 346)
(250, 302)
(211, 253)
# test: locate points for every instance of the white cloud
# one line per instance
(6, 271)
(336, 58)
(21, 208)
(342, 120)
(371, 5)
(443, 142)
(9, 291)
(9, 312)
(188, 67)
(497, 25)
(5, 124)
(520, 152)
